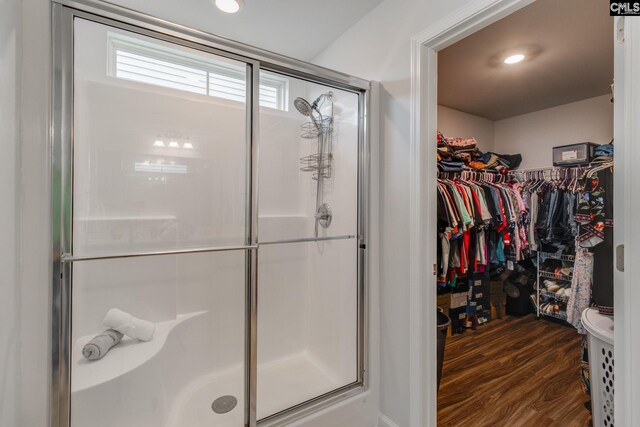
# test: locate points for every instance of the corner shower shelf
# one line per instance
(123, 358)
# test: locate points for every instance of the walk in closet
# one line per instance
(525, 220)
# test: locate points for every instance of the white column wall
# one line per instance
(10, 69)
(35, 268)
(378, 48)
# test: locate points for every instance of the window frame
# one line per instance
(121, 43)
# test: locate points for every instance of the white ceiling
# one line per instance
(572, 45)
(297, 28)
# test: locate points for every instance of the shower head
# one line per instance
(303, 106)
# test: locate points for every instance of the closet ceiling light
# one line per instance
(514, 59)
(229, 6)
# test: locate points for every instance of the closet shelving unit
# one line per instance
(543, 293)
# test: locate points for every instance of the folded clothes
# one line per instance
(491, 160)
(504, 162)
(444, 152)
(464, 157)
(465, 149)
(477, 165)
(129, 325)
(472, 151)
(513, 159)
(449, 166)
(604, 150)
(101, 344)
(452, 163)
(461, 142)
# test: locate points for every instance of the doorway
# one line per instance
(425, 124)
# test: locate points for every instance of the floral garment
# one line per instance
(580, 298)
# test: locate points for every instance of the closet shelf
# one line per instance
(546, 275)
(549, 294)
(546, 296)
(561, 257)
(562, 315)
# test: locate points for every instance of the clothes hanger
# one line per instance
(599, 168)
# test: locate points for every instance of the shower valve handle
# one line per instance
(324, 215)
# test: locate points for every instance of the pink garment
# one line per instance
(461, 142)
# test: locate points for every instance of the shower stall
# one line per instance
(199, 186)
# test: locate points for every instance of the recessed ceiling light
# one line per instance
(229, 6)
(158, 143)
(174, 144)
(514, 59)
(187, 145)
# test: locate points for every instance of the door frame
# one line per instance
(425, 45)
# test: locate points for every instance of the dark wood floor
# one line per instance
(513, 372)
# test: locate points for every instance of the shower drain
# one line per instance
(224, 404)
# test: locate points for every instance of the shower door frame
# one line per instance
(62, 128)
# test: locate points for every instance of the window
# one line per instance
(154, 64)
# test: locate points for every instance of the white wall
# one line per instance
(35, 253)
(535, 134)
(32, 304)
(366, 50)
(457, 124)
(10, 79)
(378, 48)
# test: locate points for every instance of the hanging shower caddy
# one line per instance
(319, 163)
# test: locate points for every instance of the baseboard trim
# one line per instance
(386, 422)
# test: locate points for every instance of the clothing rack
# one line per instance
(474, 174)
(556, 172)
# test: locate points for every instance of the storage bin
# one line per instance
(444, 302)
(601, 368)
(574, 154)
(457, 316)
(458, 300)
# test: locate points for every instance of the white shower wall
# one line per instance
(308, 294)
(118, 208)
(287, 195)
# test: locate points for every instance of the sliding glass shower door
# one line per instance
(209, 221)
(308, 303)
(160, 174)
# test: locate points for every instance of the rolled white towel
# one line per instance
(129, 325)
(101, 344)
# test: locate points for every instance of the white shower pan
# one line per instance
(134, 378)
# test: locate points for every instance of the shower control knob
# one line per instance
(324, 215)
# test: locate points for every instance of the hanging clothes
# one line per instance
(479, 222)
(581, 285)
(595, 219)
